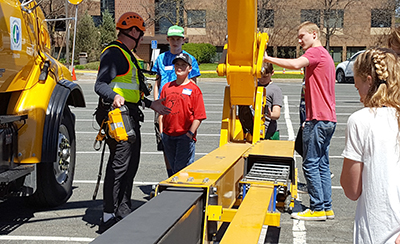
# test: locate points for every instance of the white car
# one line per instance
(344, 70)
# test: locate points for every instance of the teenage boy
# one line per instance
(320, 119)
(166, 73)
(179, 128)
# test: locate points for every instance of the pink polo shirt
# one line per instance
(320, 85)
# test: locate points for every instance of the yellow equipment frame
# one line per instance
(224, 181)
(221, 173)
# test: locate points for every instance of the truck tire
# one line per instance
(54, 180)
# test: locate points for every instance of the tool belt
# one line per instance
(120, 126)
(117, 123)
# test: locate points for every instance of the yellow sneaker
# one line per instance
(309, 215)
(330, 214)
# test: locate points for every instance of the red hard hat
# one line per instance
(130, 19)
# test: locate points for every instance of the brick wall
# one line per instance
(356, 31)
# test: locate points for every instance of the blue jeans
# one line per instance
(317, 137)
(179, 151)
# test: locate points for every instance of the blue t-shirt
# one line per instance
(164, 68)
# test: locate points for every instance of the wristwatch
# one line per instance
(191, 133)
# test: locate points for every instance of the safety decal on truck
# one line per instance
(15, 34)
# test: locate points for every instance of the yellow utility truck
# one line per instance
(37, 127)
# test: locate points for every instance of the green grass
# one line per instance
(208, 66)
(211, 75)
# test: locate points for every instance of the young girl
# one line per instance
(371, 165)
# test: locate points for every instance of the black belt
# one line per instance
(135, 111)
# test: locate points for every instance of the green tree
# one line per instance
(87, 38)
(107, 29)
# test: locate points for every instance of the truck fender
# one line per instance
(65, 93)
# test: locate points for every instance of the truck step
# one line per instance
(15, 173)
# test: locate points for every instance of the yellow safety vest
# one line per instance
(127, 85)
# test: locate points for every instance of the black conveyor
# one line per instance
(174, 216)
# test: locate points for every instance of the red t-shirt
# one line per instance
(320, 85)
(186, 104)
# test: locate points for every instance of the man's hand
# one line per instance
(397, 240)
(118, 101)
(266, 57)
(159, 107)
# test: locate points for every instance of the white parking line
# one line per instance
(287, 119)
(299, 229)
(299, 232)
(136, 183)
(45, 238)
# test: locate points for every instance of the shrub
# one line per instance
(107, 29)
(202, 52)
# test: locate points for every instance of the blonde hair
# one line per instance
(394, 38)
(309, 27)
(383, 65)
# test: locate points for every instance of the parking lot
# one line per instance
(77, 220)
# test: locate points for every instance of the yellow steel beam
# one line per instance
(258, 122)
(273, 148)
(217, 213)
(245, 51)
(226, 119)
(252, 214)
(211, 168)
(242, 44)
(228, 214)
(231, 128)
(273, 219)
(293, 189)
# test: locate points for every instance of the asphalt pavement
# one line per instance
(77, 220)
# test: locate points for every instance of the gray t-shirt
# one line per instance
(274, 97)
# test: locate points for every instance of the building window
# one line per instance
(381, 18)
(333, 18)
(60, 25)
(312, 15)
(108, 5)
(336, 53)
(286, 52)
(196, 18)
(97, 20)
(167, 13)
(265, 18)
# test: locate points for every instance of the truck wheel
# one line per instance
(54, 180)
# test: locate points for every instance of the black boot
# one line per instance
(106, 225)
